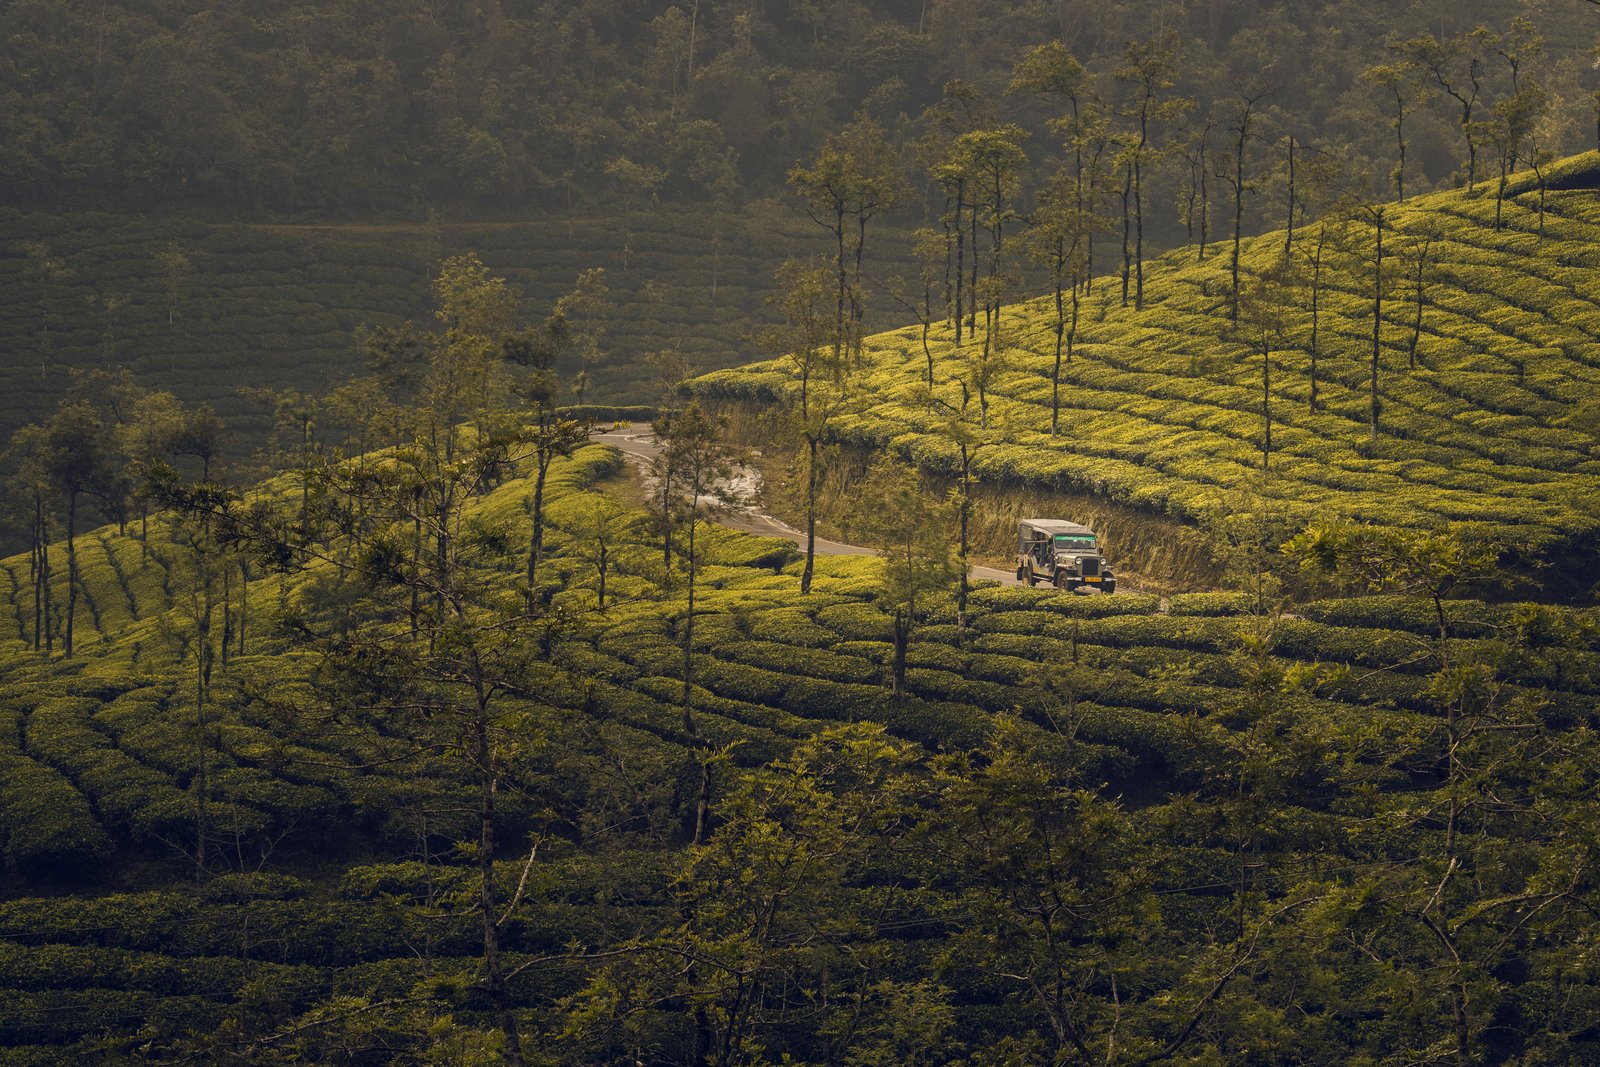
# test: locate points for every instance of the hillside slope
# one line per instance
(1174, 750)
(1494, 421)
(202, 309)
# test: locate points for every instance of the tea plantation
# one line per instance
(1494, 419)
(202, 309)
(1235, 791)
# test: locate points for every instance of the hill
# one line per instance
(202, 309)
(1235, 790)
(1487, 385)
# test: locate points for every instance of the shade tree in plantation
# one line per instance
(296, 442)
(822, 374)
(697, 462)
(1368, 260)
(585, 309)
(28, 488)
(1316, 254)
(911, 531)
(76, 460)
(1243, 116)
(1515, 120)
(1194, 203)
(1418, 266)
(1150, 70)
(1052, 72)
(961, 108)
(598, 530)
(992, 159)
(930, 256)
(1397, 98)
(853, 180)
(1454, 67)
(1264, 323)
(1058, 237)
(953, 422)
(549, 433)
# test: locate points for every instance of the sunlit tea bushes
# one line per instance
(1161, 408)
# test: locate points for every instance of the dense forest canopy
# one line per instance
(356, 108)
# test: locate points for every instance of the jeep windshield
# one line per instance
(1076, 542)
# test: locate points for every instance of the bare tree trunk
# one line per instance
(1377, 325)
(961, 557)
(72, 566)
(811, 513)
(961, 247)
(493, 975)
(902, 637)
(1138, 235)
(972, 289)
(536, 539)
(1127, 249)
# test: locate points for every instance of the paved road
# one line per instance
(638, 445)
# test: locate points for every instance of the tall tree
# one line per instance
(584, 310)
(1316, 256)
(1195, 207)
(27, 460)
(852, 181)
(1246, 104)
(1378, 272)
(1058, 238)
(77, 462)
(1263, 322)
(1049, 70)
(912, 532)
(1151, 70)
(1395, 90)
(1516, 117)
(823, 379)
(955, 425)
(1418, 265)
(994, 159)
(694, 447)
(550, 434)
(1455, 66)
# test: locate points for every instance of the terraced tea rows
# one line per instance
(201, 310)
(1149, 701)
(1162, 409)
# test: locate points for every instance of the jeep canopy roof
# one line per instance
(1052, 528)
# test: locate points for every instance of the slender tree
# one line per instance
(77, 463)
(1263, 322)
(1058, 238)
(1151, 70)
(1455, 67)
(852, 181)
(912, 532)
(823, 381)
(550, 434)
(1248, 100)
(1394, 88)
(694, 447)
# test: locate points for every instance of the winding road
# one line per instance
(638, 445)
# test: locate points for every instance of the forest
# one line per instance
(364, 701)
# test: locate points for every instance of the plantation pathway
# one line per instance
(638, 445)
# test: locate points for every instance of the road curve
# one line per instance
(637, 443)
